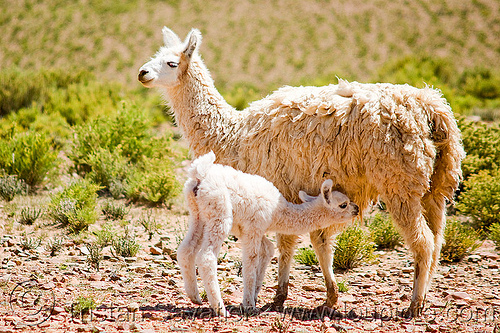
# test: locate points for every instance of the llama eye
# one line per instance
(172, 64)
(343, 206)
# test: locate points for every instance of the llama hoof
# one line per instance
(249, 310)
(414, 310)
(196, 300)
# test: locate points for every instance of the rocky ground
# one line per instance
(144, 293)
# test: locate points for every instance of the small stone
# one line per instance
(314, 288)
(382, 273)
(155, 250)
(95, 277)
(407, 270)
(460, 295)
(84, 251)
(493, 266)
(474, 258)
(57, 310)
(48, 286)
(489, 296)
(123, 326)
(159, 244)
(133, 307)
(130, 259)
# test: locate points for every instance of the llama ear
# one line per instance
(170, 38)
(305, 197)
(193, 42)
(326, 190)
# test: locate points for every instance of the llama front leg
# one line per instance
(321, 241)
(186, 257)
(286, 245)
(267, 252)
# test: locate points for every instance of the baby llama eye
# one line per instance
(172, 64)
(344, 205)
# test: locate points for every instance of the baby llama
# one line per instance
(394, 142)
(223, 201)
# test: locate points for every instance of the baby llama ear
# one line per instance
(326, 190)
(170, 38)
(306, 197)
(193, 42)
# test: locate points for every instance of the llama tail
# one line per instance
(450, 152)
(201, 165)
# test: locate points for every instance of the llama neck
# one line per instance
(206, 120)
(312, 216)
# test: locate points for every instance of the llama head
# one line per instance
(164, 69)
(336, 202)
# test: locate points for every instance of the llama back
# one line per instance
(303, 135)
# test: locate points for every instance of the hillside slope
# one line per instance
(262, 43)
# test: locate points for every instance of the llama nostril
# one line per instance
(142, 74)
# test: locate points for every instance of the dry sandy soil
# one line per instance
(145, 293)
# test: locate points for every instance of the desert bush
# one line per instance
(306, 256)
(29, 155)
(155, 183)
(75, 206)
(10, 186)
(383, 232)
(29, 243)
(114, 211)
(83, 305)
(30, 214)
(353, 247)
(54, 245)
(480, 198)
(494, 234)
(122, 154)
(459, 241)
(125, 246)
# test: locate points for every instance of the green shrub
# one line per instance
(75, 206)
(352, 248)
(83, 305)
(19, 89)
(28, 155)
(306, 256)
(29, 243)
(10, 186)
(383, 232)
(155, 183)
(494, 234)
(150, 225)
(459, 241)
(122, 154)
(94, 257)
(480, 198)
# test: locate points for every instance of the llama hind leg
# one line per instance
(186, 257)
(419, 237)
(286, 245)
(435, 214)
(252, 254)
(321, 241)
(207, 264)
(267, 252)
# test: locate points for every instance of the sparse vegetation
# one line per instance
(104, 236)
(94, 257)
(459, 241)
(151, 226)
(83, 305)
(353, 247)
